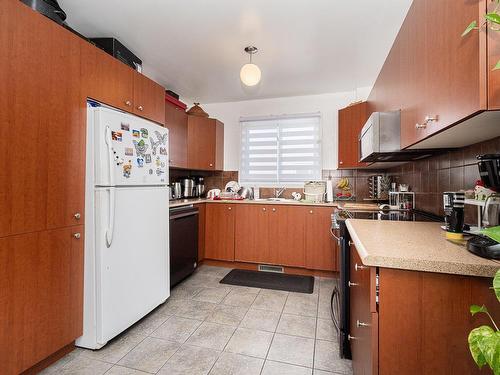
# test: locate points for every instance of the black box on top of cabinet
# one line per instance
(119, 51)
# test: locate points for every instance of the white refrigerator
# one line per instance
(126, 223)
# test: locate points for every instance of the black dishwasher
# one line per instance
(183, 242)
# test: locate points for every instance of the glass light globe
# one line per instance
(250, 74)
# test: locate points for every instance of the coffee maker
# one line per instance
(454, 213)
(489, 171)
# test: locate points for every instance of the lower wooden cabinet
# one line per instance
(420, 323)
(219, 231)
(321, 249)
(41, 295)
(292, 236)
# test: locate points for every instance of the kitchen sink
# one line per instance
(276, 200)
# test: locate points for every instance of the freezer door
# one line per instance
(135, 149)
(132, 272)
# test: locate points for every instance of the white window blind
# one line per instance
(281, 150)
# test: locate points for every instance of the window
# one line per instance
(282, 150)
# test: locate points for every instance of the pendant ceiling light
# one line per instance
(250, 73)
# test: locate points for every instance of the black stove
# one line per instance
(340, 296)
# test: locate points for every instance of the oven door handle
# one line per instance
(334, 236)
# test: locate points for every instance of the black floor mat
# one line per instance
(270, 280)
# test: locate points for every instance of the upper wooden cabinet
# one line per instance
(42, 123)
(110, 81)
(41, 304)
(436, 77)
(149, 98)
(176, 122)
(219, 231)
(205, 143)
(351, 120)
(321, 249)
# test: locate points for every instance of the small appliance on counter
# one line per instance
(188, 188)
(177, 190)
(479, 244)
(454, 214)
(200, 187)
(315, 191)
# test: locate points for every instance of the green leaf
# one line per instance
(493, 17)
(496, 279)
(474, 309)
(469, 28)
(490, 347)
(475, 343)
(497, 66)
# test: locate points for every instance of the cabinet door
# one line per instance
(219, 146)
(219, 231)
(252, 234)
(321, 249)
(287, 235)
(176, 122)
(41, 284)
(42, 134)
(364, 318)
(201, 143)
(351, 120)
(106, 79)
(149, 98)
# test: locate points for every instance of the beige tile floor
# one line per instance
(210, 328)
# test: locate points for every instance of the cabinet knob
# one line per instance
(77, 235)
(211, 165)
(263, 209)
(140, 108)
(350, 284)
(77, 216)
(128, 103)
(359, 267)
(421, 126)
(350, 243)
(349, 337)
(311, 211)
(274, 209)
(360, 324)
(341, 162)
(229, 208)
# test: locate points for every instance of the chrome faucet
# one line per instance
(278, 192)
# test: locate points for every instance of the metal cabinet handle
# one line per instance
(359, 267)
(128, 103)
(350, 243)
(77, 235)
(274, 209)
(428, 119)
(211, 165)
(229, 208)
(352, 284)
(360, 324)
(311, 211)
(263, 209)
(341, 162)
(349, 337)
(140, 108)
(77, 216)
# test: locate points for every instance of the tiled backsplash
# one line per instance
(450, 171)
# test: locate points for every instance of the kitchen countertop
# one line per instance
(416, 246)
(185, 202)
(348, 205)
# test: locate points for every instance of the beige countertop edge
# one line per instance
(186, 202)
(405, 261)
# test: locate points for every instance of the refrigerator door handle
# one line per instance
(111, 215)
(110, 156)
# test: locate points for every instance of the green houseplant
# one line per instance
(484, 341)
(491, 21)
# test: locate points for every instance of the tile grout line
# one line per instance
(274, 334)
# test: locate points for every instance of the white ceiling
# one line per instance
(195, 47)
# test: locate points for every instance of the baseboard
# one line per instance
(254, 266)
(53, 358)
